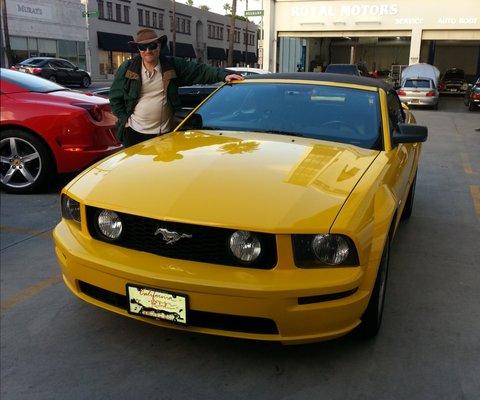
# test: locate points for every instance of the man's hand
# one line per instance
(233, 77)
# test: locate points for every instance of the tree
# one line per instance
(204, 8)
(228, 8)
(232, 34)
(189, 3)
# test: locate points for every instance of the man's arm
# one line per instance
(116, 93)
(191, 73)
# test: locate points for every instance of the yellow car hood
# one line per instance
(254, 181)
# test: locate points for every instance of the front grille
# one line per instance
(207, 244)
(201, 319)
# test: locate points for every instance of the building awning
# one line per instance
(237, 56)
(184, 50)
(216, 53)
(252, 57)
(114, 42)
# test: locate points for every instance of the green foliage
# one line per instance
(204, 8)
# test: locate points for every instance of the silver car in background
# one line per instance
(419, 92)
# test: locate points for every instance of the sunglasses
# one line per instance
(148, 46)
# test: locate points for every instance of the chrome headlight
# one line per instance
(70, 208)
(330, 249)
(245, 246)
(312, 251)
(109, 224)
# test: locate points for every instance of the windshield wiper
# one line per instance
(283, 133)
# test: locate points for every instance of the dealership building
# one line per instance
(308, 35)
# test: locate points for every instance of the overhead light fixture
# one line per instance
(348, 37)
(398, 37)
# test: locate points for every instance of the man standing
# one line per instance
(144, 93)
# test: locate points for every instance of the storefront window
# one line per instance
(103, 62)
(19, 48)
(47, 47)
(32, 47)
(67, 49)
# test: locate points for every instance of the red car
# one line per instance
(47, 129)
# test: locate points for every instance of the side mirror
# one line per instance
(75, 68)
(193, 122)
(407, 133)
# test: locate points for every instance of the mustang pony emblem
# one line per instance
(171, 237)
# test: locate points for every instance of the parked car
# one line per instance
(256, 219)
(47, 129)
(102, 92)
(453, 81)
(348, 69)
(248, 71)
(192, 96)
(419, 92)
(472, 96)
(55, 69)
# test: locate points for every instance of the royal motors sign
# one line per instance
(29, 10)
(351, 10)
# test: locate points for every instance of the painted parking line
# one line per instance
(467, 167)
(30, 292)
(475, 192)
(18, 229)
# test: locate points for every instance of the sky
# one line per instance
(217, 6)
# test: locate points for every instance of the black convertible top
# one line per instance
(325, 77)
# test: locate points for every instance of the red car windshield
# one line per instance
(30, 82)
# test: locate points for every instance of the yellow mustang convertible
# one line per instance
(267, 214)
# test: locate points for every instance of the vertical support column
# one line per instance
(269, 36)
(431, 52)
(415, 46)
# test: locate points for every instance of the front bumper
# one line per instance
(98, 272)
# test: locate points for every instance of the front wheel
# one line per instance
(472, 107)
(85, 81)
(25, 162)
(372, 317)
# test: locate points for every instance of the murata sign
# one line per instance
(352, 10)
(29, 10)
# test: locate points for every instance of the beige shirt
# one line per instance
(152, 114)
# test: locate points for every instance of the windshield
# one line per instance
(322, 112)
(457, 74)
(33, 61)
(417, 83)
(30, 82)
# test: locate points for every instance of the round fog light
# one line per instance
(330, 249)
(245, 246)
(110, 224)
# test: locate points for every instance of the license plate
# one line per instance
(157, 304)
(413, 101)
(22, 69)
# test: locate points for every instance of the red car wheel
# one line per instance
(26, 163)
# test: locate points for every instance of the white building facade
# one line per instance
(308, 35)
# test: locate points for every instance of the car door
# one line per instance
(403, 154)
(58, 71)
(75, 75)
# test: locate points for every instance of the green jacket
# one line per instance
(176, 72)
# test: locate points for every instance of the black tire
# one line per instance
(52, 78)
(435, 107)
(372, 317)
(472, 107)
(27, 164)
(85, 82)
(407, 210)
